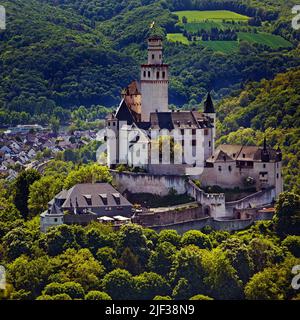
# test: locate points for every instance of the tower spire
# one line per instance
(208, 105)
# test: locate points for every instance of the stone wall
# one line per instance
(193, 212)
(146, 183)
(225, 225)
(255, 200)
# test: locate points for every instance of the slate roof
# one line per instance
(229, 152)
(208, 105)
(96, 193)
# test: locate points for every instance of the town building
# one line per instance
(84, 203)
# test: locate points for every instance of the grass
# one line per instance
(197, 16)
(270, 40)
(221, 46)
(177, 37)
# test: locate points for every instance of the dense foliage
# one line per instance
(268, 109)
(99, 263)
(73, 53)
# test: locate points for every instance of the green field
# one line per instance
(177, 37)
(221, 46)
(270, 40)
(197, 16)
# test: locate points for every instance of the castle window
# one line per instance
(163, 74)
(88, 199)
(108, 123)
(264, 165)
(153, 57)
(244, 156)
(149, 74)
(205, 132)
(209, 143)
(144, 74)
(277, 176)
(220, 168)
(233, 155)
(55, 220)
(229, 168)
(157, 74)
(193, 143)
(160, 56)
(114, 124)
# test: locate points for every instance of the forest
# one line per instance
(99, 263)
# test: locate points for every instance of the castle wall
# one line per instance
(225, 225)
(257, 199)
(170, 217)
(145, 183)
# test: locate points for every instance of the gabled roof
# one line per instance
(229, 152)
(179, 120)
(91, 195)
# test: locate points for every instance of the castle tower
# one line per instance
(154, 80)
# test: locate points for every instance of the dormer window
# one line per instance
(116, 197)
(88, 199)
(103, 197)
(244, 156)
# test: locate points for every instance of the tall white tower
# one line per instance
(154, 80)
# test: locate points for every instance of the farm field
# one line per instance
(177, 37)
(271, 40)
(221, 46)
(197, 16)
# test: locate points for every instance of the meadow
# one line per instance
(197, 16)
(271, 40)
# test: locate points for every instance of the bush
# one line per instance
(162, 298)
(197, 238)
(97, 295)
(62, 296)
(200, 297)
(293, 245)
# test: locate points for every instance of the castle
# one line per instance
(169, 150)
(143, 127)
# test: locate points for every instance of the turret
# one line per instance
(209, 111)
(265, 155)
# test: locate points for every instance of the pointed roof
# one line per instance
(208, 105)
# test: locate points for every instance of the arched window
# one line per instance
(144, 74)
(153, 57)
(163, 74)
(149, 74)
(157, 75)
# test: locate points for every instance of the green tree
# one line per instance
(287, 215)
(150, 284)
(88, 174)
(41, 192)
(200, 297)
(197, 238)
(108, 257)
(119, 284)
(169, 236)
(97, 295)
(293, 245)
(130, 262)
(238, 254)
(22, 183)
(161, 258)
